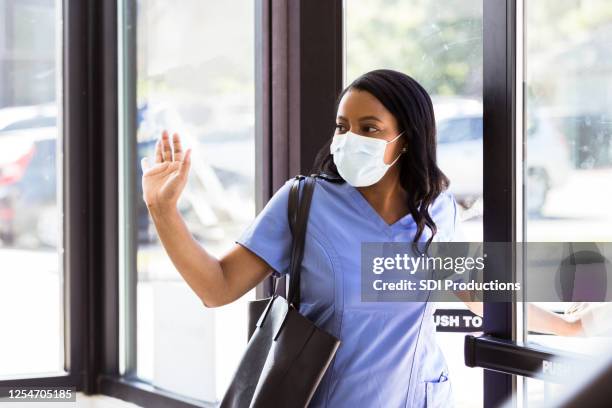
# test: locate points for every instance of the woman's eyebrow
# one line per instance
(361, 118)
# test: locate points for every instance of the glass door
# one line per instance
(188, 70)
(567, 165)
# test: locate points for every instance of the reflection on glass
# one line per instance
(195, 76)
(31, 276)
(568, 148)
(440, 45)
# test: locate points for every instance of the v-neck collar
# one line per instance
(365, 205)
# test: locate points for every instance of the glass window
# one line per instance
(459, 130)
(31, 245)
(568, 145)
(440, 45)
(195, 76)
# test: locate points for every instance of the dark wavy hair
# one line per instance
(411, 106)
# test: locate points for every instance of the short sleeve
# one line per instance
(445, 215)
(458, 234)
(268, 236)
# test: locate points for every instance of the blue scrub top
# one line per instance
(388, 356)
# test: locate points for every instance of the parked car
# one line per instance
(28, 179)
(548, 161)
(459, 150)
(459, 125)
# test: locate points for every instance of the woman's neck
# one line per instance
(387, 197)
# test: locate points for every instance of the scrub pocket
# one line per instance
(438, 393)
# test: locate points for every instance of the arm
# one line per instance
(466, 297)
(215, 281)
(538, 319)
(545, 321)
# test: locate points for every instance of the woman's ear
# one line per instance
(404, 142)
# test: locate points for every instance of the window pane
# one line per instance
(438, 43)
(568, 139)
(31, 246)
(195, 76)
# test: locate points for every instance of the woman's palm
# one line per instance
(164, 181)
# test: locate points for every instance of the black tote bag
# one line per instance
(287, 354)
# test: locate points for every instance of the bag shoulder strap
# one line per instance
(291, 216)
(294, 195)
(298, 210)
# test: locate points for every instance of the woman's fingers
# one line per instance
(167, 151)
(166, 147)
(178, 150)
(186, 163)
(158, 153)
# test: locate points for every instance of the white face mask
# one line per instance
(360, 160)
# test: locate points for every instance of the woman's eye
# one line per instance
(370, 129)
(339, 126)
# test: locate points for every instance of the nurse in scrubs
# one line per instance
(383, 185)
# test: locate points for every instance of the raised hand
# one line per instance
(164, 181)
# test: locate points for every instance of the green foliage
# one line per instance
(438, 43)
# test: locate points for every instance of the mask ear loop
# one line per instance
(404, 150)
(395, 138)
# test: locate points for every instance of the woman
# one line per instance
(383, 152)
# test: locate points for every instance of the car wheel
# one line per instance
(537, 190)
(7, 238)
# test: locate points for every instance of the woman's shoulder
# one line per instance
(444, 200)
(444, 212)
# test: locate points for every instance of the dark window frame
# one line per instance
(78, 103)
(499, 187)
